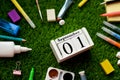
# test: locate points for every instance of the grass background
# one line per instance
(41, 57)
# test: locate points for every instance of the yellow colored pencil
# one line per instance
(82, 3)
(23, 13)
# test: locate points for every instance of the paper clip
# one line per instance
(17, 70)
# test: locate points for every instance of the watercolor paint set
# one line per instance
(58, 74)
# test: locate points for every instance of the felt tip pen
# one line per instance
(64, 9)
(111, 32)
(31, 74)
(109, 40)
(82, 3)
(12, 38)
(115, 28)
(82, 75)
(23, 13)
(111, 14)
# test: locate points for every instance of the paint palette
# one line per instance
(58, 74)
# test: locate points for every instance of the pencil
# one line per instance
(111, 33)
(109, 40)
(31, 74)
(12, 38)
(23, 13)
(82, 3)
(111, 14)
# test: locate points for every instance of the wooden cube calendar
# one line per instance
(72, 44)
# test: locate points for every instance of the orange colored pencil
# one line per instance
(111, 14)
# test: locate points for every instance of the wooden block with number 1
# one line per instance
(72, 44)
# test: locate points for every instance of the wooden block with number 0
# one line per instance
(72, 44)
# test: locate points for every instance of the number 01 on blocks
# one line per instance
(72, 44)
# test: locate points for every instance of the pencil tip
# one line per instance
(23, 40)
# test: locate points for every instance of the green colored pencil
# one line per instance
(12, 38)
(31, 74)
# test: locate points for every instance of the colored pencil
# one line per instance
(111, 33)
(111, 14)
(109, 40)
(12, 38)
(31, 74)
(23, 13)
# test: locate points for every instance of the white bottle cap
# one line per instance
(118, 55)
(118, 63)
(61, 22)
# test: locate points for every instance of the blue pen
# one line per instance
(111, 32)
(9, 27)
(12, 38)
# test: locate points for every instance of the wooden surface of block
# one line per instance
(112, 7)
(107, 67)
(70, 45)
(51, 17)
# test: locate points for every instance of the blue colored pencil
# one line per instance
(111, 32)
(12, 38)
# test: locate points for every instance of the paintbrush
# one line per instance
(39, 10)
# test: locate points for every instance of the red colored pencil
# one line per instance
(111, 14)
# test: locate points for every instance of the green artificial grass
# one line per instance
(41, 57)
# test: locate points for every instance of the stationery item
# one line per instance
(12, 38)
(109, 40)
(64, 9)
(111, 14)
(113, 7)
(51, 17)
(39, 10)
(31, 74)
(17, 70)
(8, 49)
(59, 74)
(82, 3)
(61, 22)
(9, 27)
(107, 1)
(71, 44)
(117, 29)
(111, 33)
(82, 75)
(118, 62)
(107, 67)
(118, 55)
(23, 13)
(14, 16)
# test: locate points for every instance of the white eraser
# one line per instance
(118, 55)
(51, 17)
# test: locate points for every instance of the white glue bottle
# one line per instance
(8, 49)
